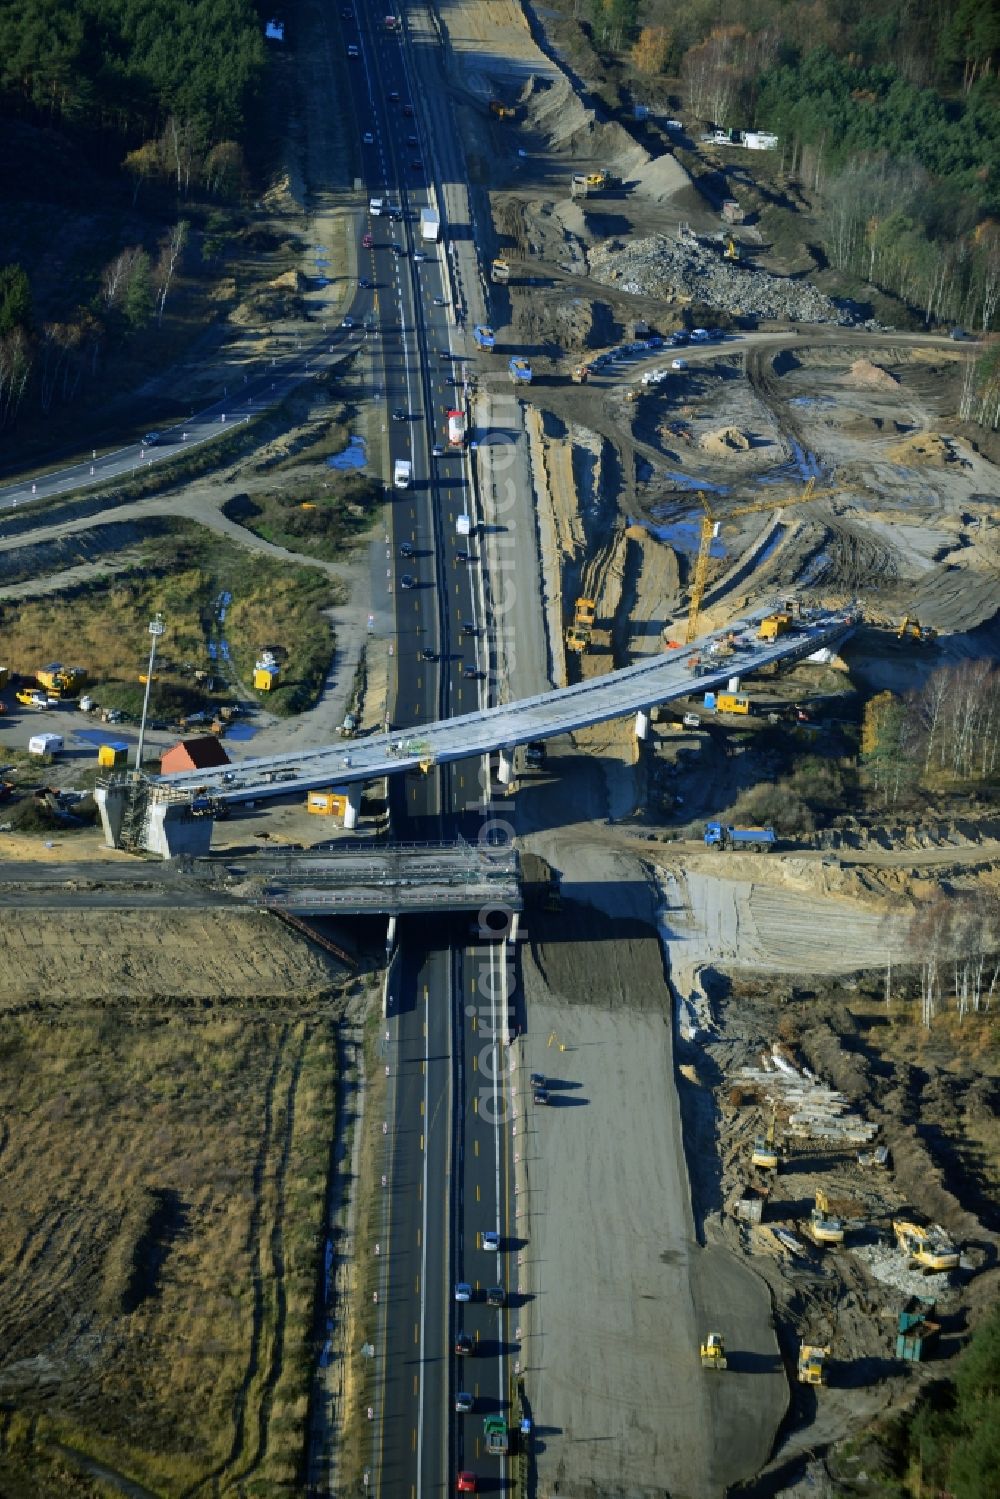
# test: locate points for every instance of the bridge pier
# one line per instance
(505, 773)
(642, 723)
(353, 808)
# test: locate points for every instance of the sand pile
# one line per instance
(871, 376)
(725, 441)
(922, 448)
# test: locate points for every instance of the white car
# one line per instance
(691, 721)
(491, 1240)
(419, 255)
(368, 138)
(352, 51)
(463, 1291)
(678, 364)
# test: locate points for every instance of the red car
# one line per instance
(466, 1483)
(366, 241)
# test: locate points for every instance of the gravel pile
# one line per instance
(689, 268)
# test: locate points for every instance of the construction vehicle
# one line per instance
(580, 374)
(502, 111)
(915, 1329)
(844, 1208)
(879, 1159)
(719, 836)
(713, 1352)
(912, 629)
(773, 625)
(579, 632)
(765, 1152)
(710, 526)
(597, 181)
(552, 900)
(579, 185)
(483, 337)
(61, 681)
(812, 1363)
(500, 271)
(731, 252)
(930, 1248)
(824, 1230)
(519, 370)
(495, 1436)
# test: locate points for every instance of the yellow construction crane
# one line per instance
(710, 524)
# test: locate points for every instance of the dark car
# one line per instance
(468, 628)
(406, 549)
(471, 673)
(463, 1343)
(394, 97)
(540, 1095)
(427, 654)
(365, 284)
(408, 111)
(494, 1296)
(464, 1402)
(538, 1080)
(399, 251)
(407, 582)
(151, 439)
(398, 414)
(411, 140)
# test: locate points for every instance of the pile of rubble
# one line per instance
(690, 269)
(811, 1110)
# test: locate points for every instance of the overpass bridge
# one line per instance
(173, 814)
(378, 879)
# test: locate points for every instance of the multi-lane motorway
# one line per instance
(446, 1145)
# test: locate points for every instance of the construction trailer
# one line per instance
(773, 625)
(728, 702)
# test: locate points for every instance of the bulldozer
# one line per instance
(713, 1352)
(812, 1363)
(928, 1248)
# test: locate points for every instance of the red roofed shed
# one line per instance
(194, 754)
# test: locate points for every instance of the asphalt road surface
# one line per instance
(446, 1178)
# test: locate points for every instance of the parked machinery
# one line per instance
(812, 1363)
(713, 1352)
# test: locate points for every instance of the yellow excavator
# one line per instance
(912, 629)
(930, 1248)
(812, 1363)
(713, 1352)
(823, 1227)
(765, 1153)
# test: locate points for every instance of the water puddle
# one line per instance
(353, 456)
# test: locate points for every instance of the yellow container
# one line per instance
(264, 679)
(732, 702)
(326, 803)
(113, 756)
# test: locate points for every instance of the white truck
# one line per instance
(463, 524)
(375, 207)
(430, 225)
(401, 473)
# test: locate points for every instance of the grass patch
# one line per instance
(221, 604)
(320, 517)
(163, 1205)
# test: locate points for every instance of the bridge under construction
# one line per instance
(173, 814)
